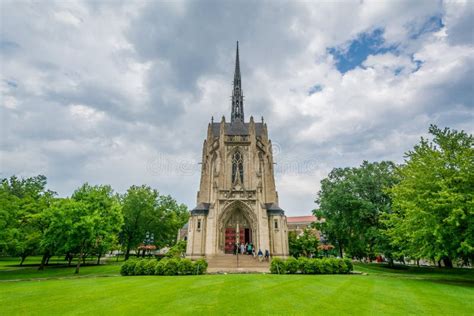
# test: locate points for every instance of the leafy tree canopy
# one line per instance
(434, 201)
(352, 201)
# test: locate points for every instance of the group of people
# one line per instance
(249, 249)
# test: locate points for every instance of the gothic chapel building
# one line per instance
(237, 201)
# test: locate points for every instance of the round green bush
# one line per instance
(150, 267)
(159, 266)
(303, 264)
(170, 266)
(200, 266)
(315, 266)
(341, 266)
(334, 262)
(311, 266)
(185, 266)
(326, 267)
(349, 265)
(166, 266)
(128, 267)
(140, 267)
(291, 265)
(277, 266)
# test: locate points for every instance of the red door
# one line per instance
(229, 240)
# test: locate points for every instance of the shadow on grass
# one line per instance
(55, 265)
(456, 282)
(463, 277)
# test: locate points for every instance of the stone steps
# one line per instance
(229, 263)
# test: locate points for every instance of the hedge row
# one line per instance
(310, 266)
(166, 266)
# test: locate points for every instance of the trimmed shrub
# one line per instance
(277, 266)
(128, 267)
(140, 267)
(291, 265)
(311, 266)
(341, 266)
(326, 267)
(315, 266)
(200, 266)
(167, 266)
(159, 266)
(150, 267)
(303, 264)
(334, 262)
(349, 265)
(185, 266)
(170, 266)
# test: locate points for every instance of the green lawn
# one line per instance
(99, 290)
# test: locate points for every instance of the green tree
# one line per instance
(352, 201)
(304, 245)
(167, 218)
(58, 219)
(145, 210)
(96, 220)
(138, 205)
(21, 203)
(434, 201)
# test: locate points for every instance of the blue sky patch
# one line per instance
(8, 46)
(314, 89)
(369, 43)
(418, 63)
(432, 24)
(11, 83)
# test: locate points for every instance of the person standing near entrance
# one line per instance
(242, 248)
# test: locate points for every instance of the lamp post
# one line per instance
(149, 239)
(237, 238)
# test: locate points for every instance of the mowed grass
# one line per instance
(99, 290)
(10, 269)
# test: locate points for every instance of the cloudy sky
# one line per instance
(121, 93)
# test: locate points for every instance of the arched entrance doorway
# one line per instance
(237, 229)
(237, 223)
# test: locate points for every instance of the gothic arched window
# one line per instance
(237, 167)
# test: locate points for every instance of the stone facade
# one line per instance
(237, 200)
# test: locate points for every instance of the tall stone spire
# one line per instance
(237, 96)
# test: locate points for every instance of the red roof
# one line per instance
(301, 219)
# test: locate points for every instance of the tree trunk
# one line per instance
(69, 259)
(447, 262)
(47, 259)
(78, 266)
(22, 260)
(390, 262)
(340, 250)
(43, 261)
(98, 258)
(439, 263)
(127, 253)
(418, 262)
